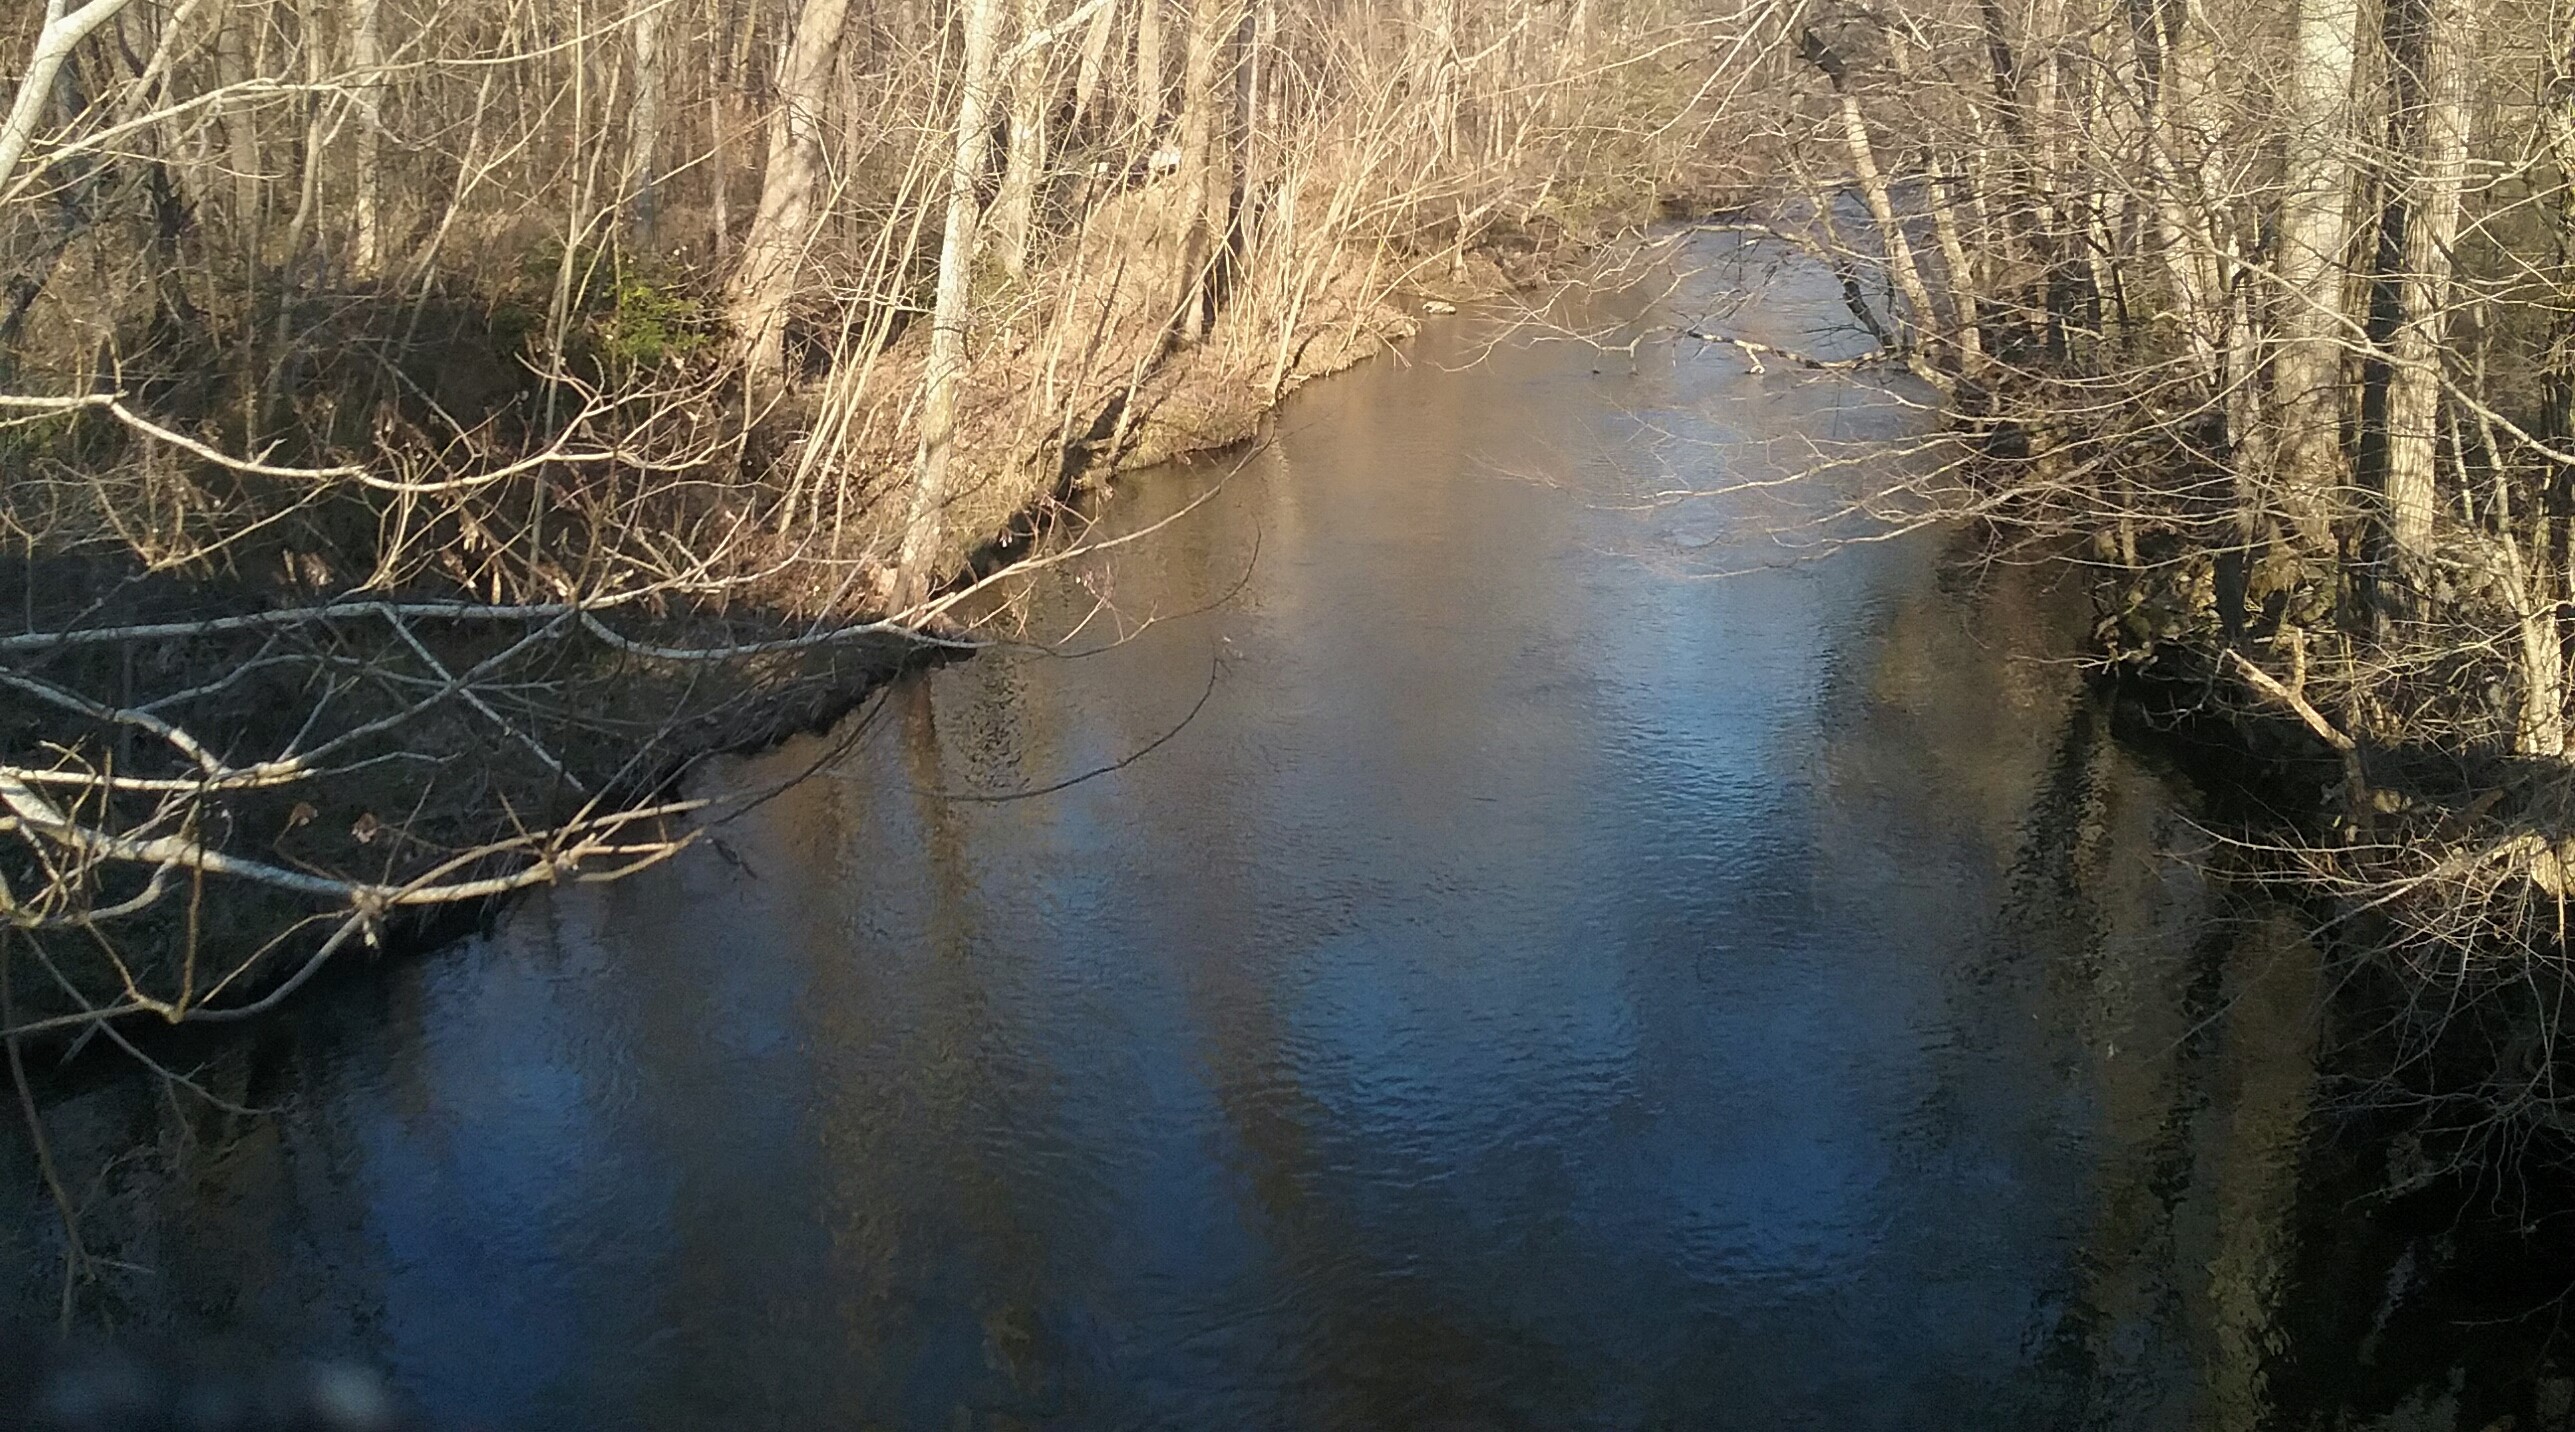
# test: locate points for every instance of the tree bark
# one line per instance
(1149, 67)
(642, 179)
(2312, 328)
(765, 280)
(2167, 66)
(2431, 205)
(1873, 191)
(924, 531)
(1014, 208)
(1941, 195)
(1095, 59)
(61, 33)
(366, 55)
(1206, 166)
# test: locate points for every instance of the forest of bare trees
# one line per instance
(424, 424)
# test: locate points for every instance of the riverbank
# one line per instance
(2312, 422)
(627, 698)
(2386, 762)
(405, 488)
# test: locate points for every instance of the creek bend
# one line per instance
(1542, 986)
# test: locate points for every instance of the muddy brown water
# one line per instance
(1545, 984)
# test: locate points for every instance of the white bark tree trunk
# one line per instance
(1095, 59)
(366, 55)
(1916, 325)
(1149, 70)
(2168, 66)
(2312, 329)
(61, 34)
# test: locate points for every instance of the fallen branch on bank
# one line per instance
(2292, 697)
(555, 857)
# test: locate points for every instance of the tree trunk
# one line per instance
(642, 179)
(1260, 37)
(2430, 206)
(1899, 250)
(1015, 206)
(60, 34)
(1941, 196)
(2312, 329)
(1206, 166)
(1095, 59)
(366, 56)
(1873, 190)
(2167, 68)
(765, 280)
(2542, 728)
(924, 532)
(1148, 70)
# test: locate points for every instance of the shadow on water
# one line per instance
(1543, 986)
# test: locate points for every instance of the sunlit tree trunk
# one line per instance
(60, 34)
(233, 65)
(1942, 197)
(1260, 37)
(2539, 728)
(1206, 166)
(1095, 58)
(1438, 81)
(2431, 203)
(2165, 68)
(366, 55)
(764, 281)
(2542, 727)
(2313, 323)
(2555, 498)
(643, 172)
(1149, 70)
(924, 530)
(1901, 265)
(1014, 207)
(1969, 335)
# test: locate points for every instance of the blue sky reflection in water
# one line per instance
(1544, 987)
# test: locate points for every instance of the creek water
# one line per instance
(1540, 951)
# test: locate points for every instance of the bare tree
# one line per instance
(924, 528)
(1206, 166)
(642, 176)
(1919, 314)
(366, 57)
(2314, 325)
(60, 34)
(1025, 159)
(1151, 70)
(1094, 63)
(2429, 214)
(773, 251)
